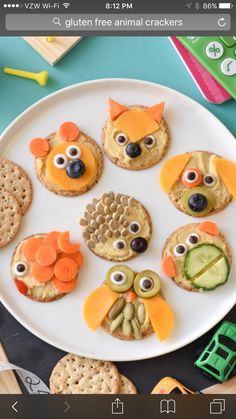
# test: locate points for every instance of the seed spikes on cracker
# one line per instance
(15, 199)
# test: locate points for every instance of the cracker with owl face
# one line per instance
(67, 162)
(116, 227)
(135, 137)
(199, 183)
(197, 257)
(129, 305)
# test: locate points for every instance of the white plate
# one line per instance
(192, 127)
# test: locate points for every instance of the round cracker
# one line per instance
(126, 386)
(177, 202)
(142, 166)
(74, 374)
(40, 169)
(193, 227)
(10, 217)
(96, 247)
(15, 180)
(43, 298)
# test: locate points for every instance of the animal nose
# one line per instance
(197, 202)
(139, 244)
(133, 150)
(75, 169)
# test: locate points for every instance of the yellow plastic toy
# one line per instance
(169, 385)
(50, 38)
(41, 77)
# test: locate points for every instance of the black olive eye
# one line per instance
(209, 180)
(134, 227)
(149, 141)
(73, 152)
(119, 244)
(192, 238)
(121, 138)
(20, 268)
(60, 161)
(180, 249)
(118, 278)
(146, 284)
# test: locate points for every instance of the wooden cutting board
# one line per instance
(8, 382)
(229, 387)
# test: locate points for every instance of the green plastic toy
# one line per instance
(219, 357)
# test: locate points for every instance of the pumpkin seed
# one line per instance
(126, 328)
(141, 313)
(129, 311)
(136, 329)
(116, 308)
(116, 322)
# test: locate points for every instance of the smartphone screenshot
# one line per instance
(117, 209)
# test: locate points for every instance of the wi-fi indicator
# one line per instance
(66, 5)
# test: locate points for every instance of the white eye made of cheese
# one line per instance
(60, 161)
(149, 141)
(146, 284)
(121, 138)
(118, 278)
(73, 152)
(180, 249)
(192, 238)
(119, 244)
(134, 227)
(20, 269)
(209, 180)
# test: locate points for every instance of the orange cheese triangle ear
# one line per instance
(97, 305)
(161, 316)
(172, 169)
(116, 109)
(156, 111)
(227, 170)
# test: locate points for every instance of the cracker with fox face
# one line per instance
(67, 162)
(199, 183)
(129, 305)
(135, 137)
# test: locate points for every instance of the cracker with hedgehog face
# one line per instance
(199, 183)
(45, 266)
(67, 162)
(197, 257)
(129, 305)
(135, 137)
(116, 227)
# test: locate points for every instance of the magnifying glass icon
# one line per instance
(56, 21)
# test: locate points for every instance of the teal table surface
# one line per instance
(146, 58)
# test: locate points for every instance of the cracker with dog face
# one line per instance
(197, 257)
(135, 137)
(199, 183)
(67, 162)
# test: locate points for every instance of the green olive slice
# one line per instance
(206, 196)
(147, 284)
(120, 278)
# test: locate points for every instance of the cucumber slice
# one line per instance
(214, 276)
(199, 257)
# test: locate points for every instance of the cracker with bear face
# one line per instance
(197, 257)
(199, 183)
(116, 227)
(135, 137)
(67, 162)
(129, 305)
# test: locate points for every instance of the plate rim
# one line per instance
(26, 324)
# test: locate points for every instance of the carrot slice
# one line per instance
(209, 227)
(52, 238)
(78, 257)
(39, 147)
(196, 182)
(42, 273)
(22, 288)
(46, 255)
(63, 286)
(65, 245)
(65, 269)
(68, 131)
(130, 296)
(168, 266)
(30, 247)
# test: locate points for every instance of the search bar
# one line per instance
(117, 22)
